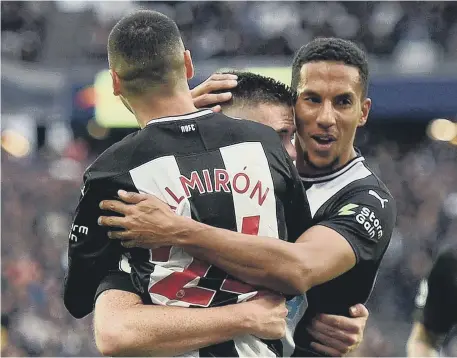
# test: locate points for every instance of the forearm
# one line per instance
(263, 261)
(422, 343)
(146, 330)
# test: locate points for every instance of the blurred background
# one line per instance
(58, 114)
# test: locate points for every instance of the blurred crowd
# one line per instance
(427, 30)
(38, 201)
(40, 193)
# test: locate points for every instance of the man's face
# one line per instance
(329, 108)
(279, 117)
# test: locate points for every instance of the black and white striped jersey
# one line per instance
(221, 171)
(354, 202)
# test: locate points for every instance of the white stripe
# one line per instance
(153, 178)
(250, 159)
(250, 346)
(185, 116)
(319, 193)
(336, 174)
(124, 265)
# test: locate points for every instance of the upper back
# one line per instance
(213, 168)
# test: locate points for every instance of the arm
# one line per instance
(356, 228)
(436, 301)
(320, 254)
(90, 253)
(125, 326)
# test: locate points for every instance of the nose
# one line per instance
(326, 117)
(290, 148)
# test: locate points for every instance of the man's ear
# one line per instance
(365, 111)
(188, 64)
(116, 82)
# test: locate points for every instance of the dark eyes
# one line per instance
(313, 99)
(343, 102)
(339, 101)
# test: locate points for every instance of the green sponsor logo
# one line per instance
(347, 210)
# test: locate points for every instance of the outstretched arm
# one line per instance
(124, 326)
(321, 253)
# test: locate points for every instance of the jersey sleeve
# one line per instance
(91, 254)
(116, 280)
(366, 219)
(437, 296)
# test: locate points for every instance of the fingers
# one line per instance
(113, 221)
(121, 235)
(209, 99)
(222, 76)
(114, 205)
(217, 109)
(333, 332)
(329, 342)
(325, 350)
(217, 82)
(359, 310)
(129, 244)
(131, 197)
(340, 322)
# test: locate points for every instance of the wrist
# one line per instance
(188, 231)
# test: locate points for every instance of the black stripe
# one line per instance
(215, 209)
(225, 349)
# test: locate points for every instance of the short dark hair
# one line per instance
(146, 49)
(331, 49)
(254, 89)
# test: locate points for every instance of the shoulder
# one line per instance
(356, 185)
(115, 158)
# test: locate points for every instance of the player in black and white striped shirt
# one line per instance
(218, 170)
(353, 213)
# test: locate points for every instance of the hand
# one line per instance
(338, 335)
(148, 222)
(267, 313)
(203, 97)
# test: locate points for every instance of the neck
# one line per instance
(155, 106)
(305, 167)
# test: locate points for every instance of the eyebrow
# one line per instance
(346, 94)
(310, 93)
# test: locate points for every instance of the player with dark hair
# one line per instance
(335, 261)
(266, 101)
(437, 306)
(209, 167)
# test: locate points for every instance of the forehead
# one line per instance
(329, 78)
(277, 116)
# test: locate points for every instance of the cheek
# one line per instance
(348, 127)
(303, 115)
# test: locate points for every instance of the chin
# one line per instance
(321, 164)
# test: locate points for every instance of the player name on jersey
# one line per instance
(241, 183)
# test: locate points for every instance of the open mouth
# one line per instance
(323, 139)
